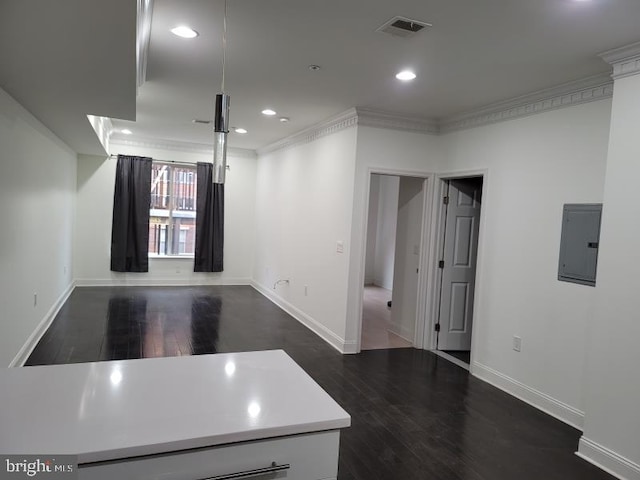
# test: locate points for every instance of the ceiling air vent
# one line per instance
(203, 122)
(402, 27)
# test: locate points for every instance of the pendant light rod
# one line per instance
(224, 43)
(221, 116)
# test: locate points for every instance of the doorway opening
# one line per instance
(457, 259)
(394, 238)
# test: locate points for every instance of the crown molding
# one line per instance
(378, 119)
(590, 89)
(176, 146)
(350, 118)
(332, 125)
(586, 90)
(625, 60)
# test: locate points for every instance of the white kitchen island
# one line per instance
(181, 418)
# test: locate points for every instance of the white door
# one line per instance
(459, 268)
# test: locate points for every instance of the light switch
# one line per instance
(340, 246)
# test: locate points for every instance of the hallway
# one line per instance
(376, 321)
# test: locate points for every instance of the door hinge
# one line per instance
(445, 200)
(437, 327)
(441, 264)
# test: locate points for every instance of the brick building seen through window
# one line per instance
(172, 215)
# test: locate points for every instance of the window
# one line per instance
(172, 217)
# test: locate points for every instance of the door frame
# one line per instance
(439, 214)
(425, 251)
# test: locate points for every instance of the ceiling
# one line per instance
(64, 59)
(477, 53)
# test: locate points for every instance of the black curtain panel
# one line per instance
(130, 227)
(209, 222)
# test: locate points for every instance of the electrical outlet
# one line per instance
(517, 343)
(340, 246)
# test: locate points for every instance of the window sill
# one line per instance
(171, 257)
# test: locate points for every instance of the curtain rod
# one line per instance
(189, 164)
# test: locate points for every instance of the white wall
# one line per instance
(406, 256)
(37, 187)
(386, 230)
(382, 151)
(612, 423)
(372, 230)
(304, 200)
(96, 180)
(535, 165)
(381, 230)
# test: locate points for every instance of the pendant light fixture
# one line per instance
(221, 117)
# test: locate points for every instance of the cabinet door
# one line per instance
(310, 457)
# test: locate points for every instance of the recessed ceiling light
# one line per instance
(126, 131)
(184, 32)
(284, 119)
(268, 111)
(406, 75)
(240, 130)
(314, 68)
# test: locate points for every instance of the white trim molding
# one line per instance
(312, 324)
(586, 90)
(160, 282)
(608, 460)
(334, 124)
(560, 410)
(625, 60)
(590, 89)
(389, 121)
(23, 355)
(176, 146)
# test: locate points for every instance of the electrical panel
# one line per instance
(579, 243)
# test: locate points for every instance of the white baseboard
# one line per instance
(312, 324)
(159, 282)
(608, 460)
(377, 282)
(350, 347)
(23, 355)
(402, 332)
(542, 401)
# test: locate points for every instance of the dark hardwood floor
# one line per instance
(464, 355)
(414, 415)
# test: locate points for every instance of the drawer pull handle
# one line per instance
(253, 473)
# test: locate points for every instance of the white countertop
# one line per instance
(111, 410)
